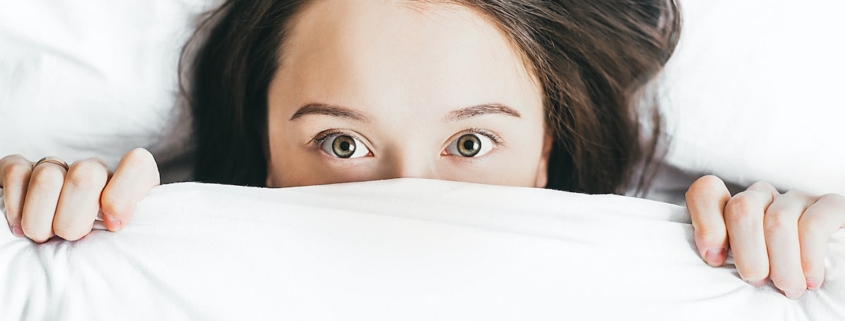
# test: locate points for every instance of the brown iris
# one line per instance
(469, 145)
(343, 146)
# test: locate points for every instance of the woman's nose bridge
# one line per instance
(411, 166)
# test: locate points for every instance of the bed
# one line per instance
(99, 78)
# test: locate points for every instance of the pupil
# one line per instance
(344, 146)
(469, 145)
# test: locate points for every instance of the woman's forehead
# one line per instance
(425, 56)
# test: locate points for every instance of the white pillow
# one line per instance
(92, 78)
(754, 92)
(406, 249)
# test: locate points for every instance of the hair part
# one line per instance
(592, 58)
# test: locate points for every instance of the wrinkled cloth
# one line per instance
(408, 249)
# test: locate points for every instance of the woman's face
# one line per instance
(370, 90)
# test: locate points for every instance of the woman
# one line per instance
(522, 93)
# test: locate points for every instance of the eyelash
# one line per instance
(318, 139)
(321, 137)
(495, 138)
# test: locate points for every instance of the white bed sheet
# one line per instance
(406, 249)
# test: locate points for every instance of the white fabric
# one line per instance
(405, 249)
(754, 92)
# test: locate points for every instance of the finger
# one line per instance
(781, 233)
(744, 219)
(815, 228)
(765, 188)
(133, 179)
(706, 200)
(15, 171)
(79, 201)
(42, 196)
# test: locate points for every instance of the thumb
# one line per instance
(706, 200)
(135, 176)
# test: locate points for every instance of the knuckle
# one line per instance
(741, 208)
(809, 224)
(89, 166)
(17, 172)
(797, 194)
(833, 198)
(15, 158)
(762, 185)
(47, 177)
(87, 174)
(778, 222)
(96, 161)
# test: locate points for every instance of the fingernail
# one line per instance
(714, 256)
(112, 223)
(813, 284)
(17, 230)
(793, 294)
(757, 283)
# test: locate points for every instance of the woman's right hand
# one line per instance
(47, 200)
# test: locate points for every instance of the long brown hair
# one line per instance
(592, 57)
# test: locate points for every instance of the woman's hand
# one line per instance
(779, 236)
(47, 200)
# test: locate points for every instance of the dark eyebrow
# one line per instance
(483, 109)
(329, 110)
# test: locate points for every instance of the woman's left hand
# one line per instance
(779, 236)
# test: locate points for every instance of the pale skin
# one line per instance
(386, 90)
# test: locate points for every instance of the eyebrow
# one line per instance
(483, 109)
(329, 110)
(456, 115)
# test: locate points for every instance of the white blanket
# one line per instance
(406, 249)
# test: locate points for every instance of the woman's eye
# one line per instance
(344, 146)
(470, 145)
